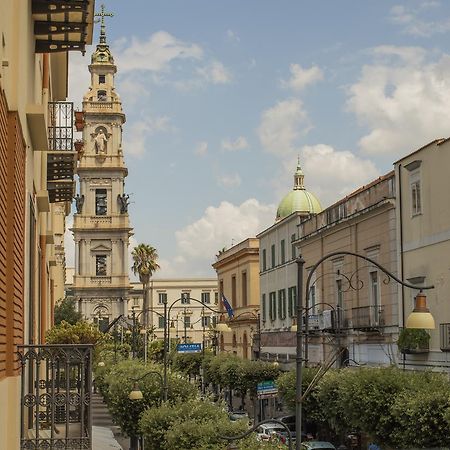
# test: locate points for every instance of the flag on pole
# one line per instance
(228, 307)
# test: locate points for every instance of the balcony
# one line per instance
(62, 25)
(368, 318)
(119, 221)
(61, 158)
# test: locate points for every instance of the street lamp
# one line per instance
(136, 395)
(419, 316)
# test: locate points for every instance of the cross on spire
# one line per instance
(102, 14)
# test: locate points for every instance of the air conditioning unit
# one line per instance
(313, 321)
(326, 321)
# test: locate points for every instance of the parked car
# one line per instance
(284, 438)
(268, 431)
(322, 445)
(238, 415)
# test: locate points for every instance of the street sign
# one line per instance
(189, 348)
(266, 389)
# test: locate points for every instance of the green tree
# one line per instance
(194, 424)
(144, 265)
(65, 310)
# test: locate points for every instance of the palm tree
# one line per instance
(144, 264)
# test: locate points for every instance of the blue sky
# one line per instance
(221, 98)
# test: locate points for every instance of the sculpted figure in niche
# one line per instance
(123, 202)
(79, 200)
(100, 142)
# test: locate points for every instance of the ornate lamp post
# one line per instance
(419, 318)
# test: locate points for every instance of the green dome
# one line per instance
(299, 199)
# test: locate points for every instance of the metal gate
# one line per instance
(56, 391)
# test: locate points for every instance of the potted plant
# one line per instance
(413, 340)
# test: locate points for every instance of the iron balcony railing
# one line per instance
(55, 398)
(367, 317)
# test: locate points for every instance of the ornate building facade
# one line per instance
(101, 226)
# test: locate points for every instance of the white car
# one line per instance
(267, 431)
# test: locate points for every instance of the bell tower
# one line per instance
(101, 226)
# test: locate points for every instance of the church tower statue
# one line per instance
(101, 226)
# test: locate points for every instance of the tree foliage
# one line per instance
(78, 333)
(194, 424)
(398, 409)
(65, 310)
(144, 261)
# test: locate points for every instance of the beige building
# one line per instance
(352, 306)
(36, 173)
(423, 227)
(189, 320)
(352, 303)
(238, 275)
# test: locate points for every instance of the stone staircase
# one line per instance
(102, 418)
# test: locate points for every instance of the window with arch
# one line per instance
(234, 340)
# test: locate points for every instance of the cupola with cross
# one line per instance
(101, 226)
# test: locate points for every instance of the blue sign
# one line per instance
(266, 389)
(189, 348)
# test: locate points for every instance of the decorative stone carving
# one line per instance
(123, 202)
(101, 141)
(79, 201)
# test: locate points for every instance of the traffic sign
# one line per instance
(267, 389)
(189, 348)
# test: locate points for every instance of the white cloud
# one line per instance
(215, 73)
(282, 125)
(229, 181)
(156, 53)
(136, 136)
(413, 22)
(404, 104)
(300, 78)
(240, 143)
(201, 149)
(232, 36)
(220, 225)
(333, 174)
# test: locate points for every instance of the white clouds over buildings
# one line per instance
(229, 181)
(282, 125)
(301, 78)
(201, 149)
(240, 143)
(404, 102)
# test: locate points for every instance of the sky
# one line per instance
(222, 97)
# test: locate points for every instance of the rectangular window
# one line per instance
(264, 260)
(221, 307)
(416, 198)
(136, 301)
(339, 294)
(100, 265)
(283, 251)
(244, 288)
(263, 307)
(100, 202)
(206, 297)
(185, 298)
(282, 304)
(374, 295)
(187, 321)
(293, 252)
(216, 298)
(101, 79)
(206, 321)
(272, 305)
(292, 301)
(312, 299)
(233, 291)
(160, 322)
(162, 298)
(272, 257)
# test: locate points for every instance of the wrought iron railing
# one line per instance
(60, 126)
(56, 391)
(367, 317)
